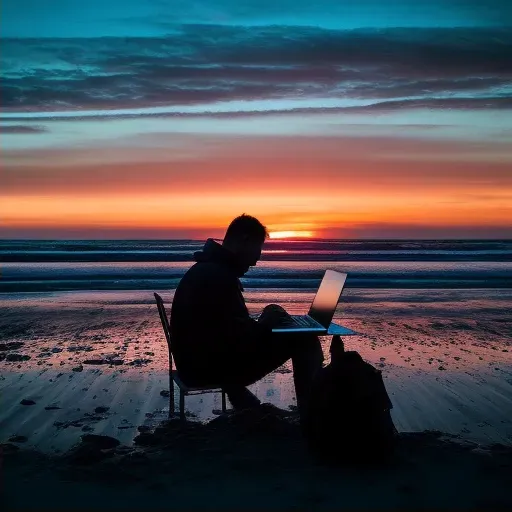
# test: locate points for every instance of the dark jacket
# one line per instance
(210, 324)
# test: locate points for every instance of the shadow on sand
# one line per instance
(254, 459)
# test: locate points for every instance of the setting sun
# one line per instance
(290, 234)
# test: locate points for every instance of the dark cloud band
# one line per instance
(200, 64)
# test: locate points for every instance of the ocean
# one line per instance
(66, 265)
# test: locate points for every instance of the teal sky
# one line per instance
(130, 18)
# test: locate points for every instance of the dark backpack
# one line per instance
(348, 417)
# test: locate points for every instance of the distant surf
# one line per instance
(33, 265)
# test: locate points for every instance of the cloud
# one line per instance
(372, 231)
(392, 165)
(95, 232)
(204, 64)
(423, 231)
(441, 103)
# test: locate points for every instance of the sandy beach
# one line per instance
(81, 363)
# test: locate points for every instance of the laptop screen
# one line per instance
(327, 297)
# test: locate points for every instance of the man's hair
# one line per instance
(245, 225)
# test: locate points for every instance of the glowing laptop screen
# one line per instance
(327, 297)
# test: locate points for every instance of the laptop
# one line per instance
(322, 308)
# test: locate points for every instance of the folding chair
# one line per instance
(173, 374)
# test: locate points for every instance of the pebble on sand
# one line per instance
(14, 345)
(18, 439)
(104, 361)
(17, 357)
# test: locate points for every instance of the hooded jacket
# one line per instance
(210, 323)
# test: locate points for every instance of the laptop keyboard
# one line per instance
(305, 321)
(299, 321)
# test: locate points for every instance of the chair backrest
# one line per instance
(165, 322)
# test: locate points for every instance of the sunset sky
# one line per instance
(167, 118)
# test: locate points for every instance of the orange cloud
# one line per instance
(318, 185)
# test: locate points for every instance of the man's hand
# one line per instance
(273, 315)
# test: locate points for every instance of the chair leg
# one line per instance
(182, 405)
(171, 406)
(223, 401)
(171, 395)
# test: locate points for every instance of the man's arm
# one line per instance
(234, 320)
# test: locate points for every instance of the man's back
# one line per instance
(209, 319)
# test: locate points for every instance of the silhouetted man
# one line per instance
(215, 340)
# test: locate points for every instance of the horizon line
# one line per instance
(298, 239)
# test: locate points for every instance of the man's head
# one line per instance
(245, 237)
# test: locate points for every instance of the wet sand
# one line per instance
(96, 363)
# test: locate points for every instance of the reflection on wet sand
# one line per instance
(97, 362)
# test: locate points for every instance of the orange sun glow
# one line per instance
(290, 234)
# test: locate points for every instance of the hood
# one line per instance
(214, 252)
